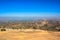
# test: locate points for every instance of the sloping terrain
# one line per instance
(29, 35)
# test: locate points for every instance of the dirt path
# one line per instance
(36, 35)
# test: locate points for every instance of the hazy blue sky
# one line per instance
(29, 8)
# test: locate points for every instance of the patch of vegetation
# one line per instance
(3, 29)
(42, 25)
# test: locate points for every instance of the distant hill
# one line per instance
(5, 19)
(19, 18)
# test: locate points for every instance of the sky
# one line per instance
(29, 8)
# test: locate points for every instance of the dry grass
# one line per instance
(29, 35)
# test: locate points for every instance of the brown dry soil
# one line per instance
(30, 35)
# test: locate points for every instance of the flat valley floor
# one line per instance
(29, 35)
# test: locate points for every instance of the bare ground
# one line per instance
(29, 35)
